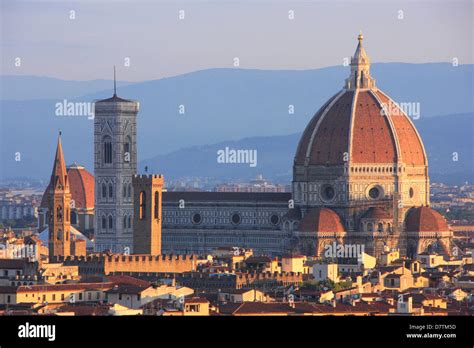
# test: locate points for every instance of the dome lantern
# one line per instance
(360, 69)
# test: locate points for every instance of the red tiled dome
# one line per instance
(362, 129)
(425, 219)
(362, 121)
(321, 220)
(81, 185)
(377, 213)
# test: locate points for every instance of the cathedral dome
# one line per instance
(360, 121)
(377, 213)
(81, 186)
(321, 220)
(425, 219)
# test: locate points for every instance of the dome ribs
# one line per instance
(354, 120)
(332, 138)
(306, 137)
(372, 141)
(321, 220)
(425, 219)
(411, 148)
(81, 186)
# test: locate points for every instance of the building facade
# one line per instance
(199, 222)
(360, 174)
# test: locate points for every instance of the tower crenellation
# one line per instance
(148, 189)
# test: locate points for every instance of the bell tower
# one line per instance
(59, 205)
(115, 162)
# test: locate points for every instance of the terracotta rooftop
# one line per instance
(377, 213)
(321, 220)
(85, 309)
(195, 300)
(282, 308)
(127, 289)
(124, 279)
(425, 219)
(64, 287)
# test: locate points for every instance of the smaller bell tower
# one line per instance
(59, 208)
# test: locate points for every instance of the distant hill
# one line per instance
(220, 105)
(442, 136)
(16, 87)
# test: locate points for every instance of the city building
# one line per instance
(360, 177)
(115, 162)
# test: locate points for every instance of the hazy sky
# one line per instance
(212, 33)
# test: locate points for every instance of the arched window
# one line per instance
(142, 205)
(129, 222)
(108, 155)
(380, 227)
(104, 223)
(67, 235)
(125, 222)
(59, 235)
(111, 191)
(59, 214)
(129, 190)
(370, 227)
(124, 190)
(127, 150)
(389, 228)
(111, 222)
(104, 191)
(157, 202)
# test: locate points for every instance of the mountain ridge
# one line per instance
(220, 105)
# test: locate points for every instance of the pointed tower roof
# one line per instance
(360, 68)
(360, 57)
(59, 174)
(115, 98)
(115, 84)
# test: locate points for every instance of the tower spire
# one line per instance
(59, 208)
(115, 84)
(59, 174)
(360, 68)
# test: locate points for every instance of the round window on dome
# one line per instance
(327, 192)
(197, 218)
(236, 219)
